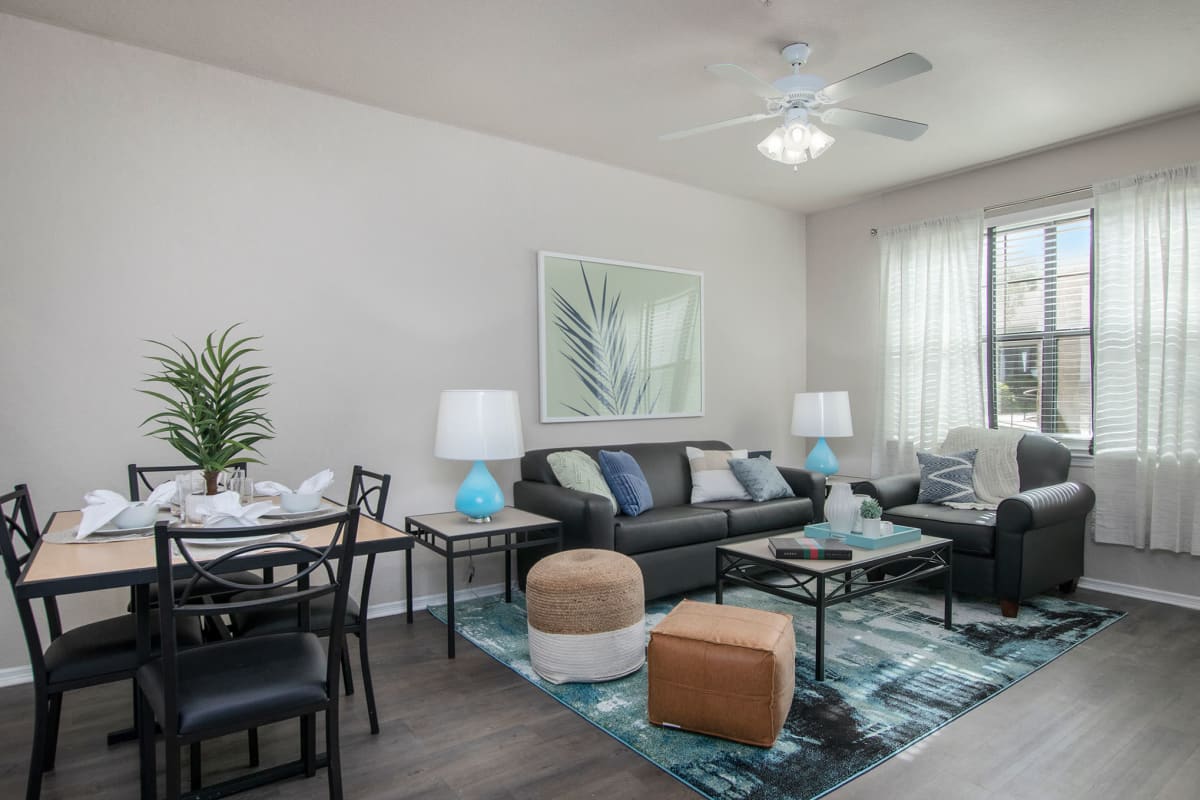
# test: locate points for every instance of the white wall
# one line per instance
(843, 292)
(382, 257)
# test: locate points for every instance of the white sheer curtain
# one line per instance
(930, 289)
(1147, 330)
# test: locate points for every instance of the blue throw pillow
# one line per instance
(627, 481)
(760, 478)
(948, 478)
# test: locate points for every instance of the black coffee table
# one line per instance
(821, 584)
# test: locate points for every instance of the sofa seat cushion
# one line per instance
(674, 526)
(747, 516)
(972, 531)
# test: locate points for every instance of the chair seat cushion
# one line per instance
(972, 531)
(283, 618)
(672, 526)
(747, 516)
(107, 647)
(226, 686)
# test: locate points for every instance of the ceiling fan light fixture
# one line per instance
(818, 141)
(772, 146)
(797, 135)
(793, 156)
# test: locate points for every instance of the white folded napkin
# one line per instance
(101, 506)
(314, 485)
(224, 510)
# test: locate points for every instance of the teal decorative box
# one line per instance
(900, 535)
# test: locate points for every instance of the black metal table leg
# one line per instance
(408, 584)
(509, 555)
(821, 628)
(949, 611)
(449, 599)
(719, 594)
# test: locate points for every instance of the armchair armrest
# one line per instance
(806, 483)
(892, 491)
(1045, 506)
(587, 519)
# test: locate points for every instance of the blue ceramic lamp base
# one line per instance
(822, 459)
(479, 496)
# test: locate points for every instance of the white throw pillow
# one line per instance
(712, 479)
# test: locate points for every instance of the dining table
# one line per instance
(55, 569)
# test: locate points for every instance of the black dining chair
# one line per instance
(92, 654)
(369, 491)
(241, 684)
(141, 477)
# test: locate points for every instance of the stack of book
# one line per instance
(802, 547)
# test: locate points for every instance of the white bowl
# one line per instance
(299, 502)
(139, 515)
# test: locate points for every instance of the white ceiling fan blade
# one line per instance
(874, 123)
(666, 137)
(747, 80)
(897, 69)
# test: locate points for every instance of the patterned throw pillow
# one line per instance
(712, 479)
(947, 478)
(761, 478)
(627, 481)
(577, 470)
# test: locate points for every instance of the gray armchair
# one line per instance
(1031, 543)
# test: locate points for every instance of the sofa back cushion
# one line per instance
(664, 464)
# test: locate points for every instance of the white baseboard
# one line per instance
(13, 676)
(1141, 592)
(424, 601)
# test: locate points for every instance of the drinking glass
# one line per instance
(187, 484)
(240, 482)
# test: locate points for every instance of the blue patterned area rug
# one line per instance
(893, 676)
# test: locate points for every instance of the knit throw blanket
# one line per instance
(996, 475)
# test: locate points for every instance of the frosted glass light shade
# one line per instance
(822, 414)
(819, 141)
(479, 425)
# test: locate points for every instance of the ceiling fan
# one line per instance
(800, 99)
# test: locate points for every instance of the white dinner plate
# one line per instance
(233, 540)
(325, 508)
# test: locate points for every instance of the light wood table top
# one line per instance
(66, 568)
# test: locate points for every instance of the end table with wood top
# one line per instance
(451, 535)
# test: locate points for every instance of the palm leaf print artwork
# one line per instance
(596, 347)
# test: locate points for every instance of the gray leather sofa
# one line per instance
(1031, 543)
(675, 542)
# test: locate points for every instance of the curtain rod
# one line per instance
(987, 209)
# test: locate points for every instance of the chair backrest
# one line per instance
(19, 535)
(195, 568)
(140, 476)
(369, 491)
(1042, 461)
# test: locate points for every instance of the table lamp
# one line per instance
(479, 425)
(822, 414)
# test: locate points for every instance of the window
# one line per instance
(1039, 326)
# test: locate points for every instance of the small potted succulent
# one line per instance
(210, 396)
(871, 513)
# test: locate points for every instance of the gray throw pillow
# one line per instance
(947, 478)
(760, 478)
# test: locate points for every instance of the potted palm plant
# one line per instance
(210, 417)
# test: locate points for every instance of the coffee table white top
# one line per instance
(757, 549)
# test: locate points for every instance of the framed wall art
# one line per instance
(619, 340)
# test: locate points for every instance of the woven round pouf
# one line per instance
(587, 616)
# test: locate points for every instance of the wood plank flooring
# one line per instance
(1117, 717)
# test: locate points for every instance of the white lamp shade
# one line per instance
(479, 425)
(822, 414)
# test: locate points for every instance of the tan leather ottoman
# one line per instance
(723, 671)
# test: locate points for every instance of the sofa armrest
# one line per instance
(587, 519)
(892, 491)
(806, 483)
(1045, 506)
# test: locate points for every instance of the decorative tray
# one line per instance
(901, 534)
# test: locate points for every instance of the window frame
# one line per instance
(1079, 445)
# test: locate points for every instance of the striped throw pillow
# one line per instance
(947, 478)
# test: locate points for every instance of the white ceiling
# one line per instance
(602, 78)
